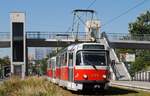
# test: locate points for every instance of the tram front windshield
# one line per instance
(85, 58)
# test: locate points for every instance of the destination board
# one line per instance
(93, 46)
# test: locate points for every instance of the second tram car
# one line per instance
(80, 66)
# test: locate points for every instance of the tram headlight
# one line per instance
(85, 76)
(104, 76)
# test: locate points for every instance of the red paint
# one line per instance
(64, 73)
(57, 73)
(91, 73)
(49, 72)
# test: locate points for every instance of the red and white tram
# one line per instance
(80, 66)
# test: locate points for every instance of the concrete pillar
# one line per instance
(18, 43)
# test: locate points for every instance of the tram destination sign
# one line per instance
(93, 46)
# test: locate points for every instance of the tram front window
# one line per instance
(91, 58)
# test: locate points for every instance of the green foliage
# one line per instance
(137, 65)
(141, 25)
(5, 60)
(42, 66)
(125, 50)
(53, 53)
(142, 62)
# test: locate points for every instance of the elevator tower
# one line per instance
(18, 43)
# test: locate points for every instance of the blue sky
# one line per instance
(56, 15)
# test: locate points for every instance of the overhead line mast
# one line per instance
(84, 17)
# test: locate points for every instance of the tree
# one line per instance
(6, 60)
(141, 25)
(3, 61)
(41, 66)
(142, 62)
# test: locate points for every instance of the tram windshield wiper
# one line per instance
(94, 66)
(90, 63)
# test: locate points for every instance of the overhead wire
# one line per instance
(92, 3)
(116, 17)
(124, 13)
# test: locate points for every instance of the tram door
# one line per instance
(108, 58)
(53, 68)
(70, 65)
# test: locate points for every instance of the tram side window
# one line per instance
(65, 59)
(61, 60)
(70, 59)
(48, 65)
(78, 59)
(53, 64)
(57, 61)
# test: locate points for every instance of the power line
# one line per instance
(81, 20)
(92, 3)
(127, 11)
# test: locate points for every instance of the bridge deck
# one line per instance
(57, 39)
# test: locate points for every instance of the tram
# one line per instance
(80, 66)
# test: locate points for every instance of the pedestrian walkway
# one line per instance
(132, 84)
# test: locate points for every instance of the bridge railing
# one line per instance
(56, 35)
(142, 76)
(126, 36)
(4, 35)
(79, 36)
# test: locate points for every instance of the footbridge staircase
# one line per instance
(117, 68)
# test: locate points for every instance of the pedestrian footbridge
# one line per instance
(113, 40)
(58, 39)
(125, 40)
(61, 39)
(45, 39)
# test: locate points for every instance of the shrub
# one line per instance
(31, 86)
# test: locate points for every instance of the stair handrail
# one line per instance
(128, 74)
(106, 40)
(116, 72)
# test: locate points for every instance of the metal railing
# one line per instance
(127, 36)
(56, 35)
(48, 35)
(4, 35)
(142, 76)
(77, 35)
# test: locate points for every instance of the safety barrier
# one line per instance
(142, 76)
(127, 36)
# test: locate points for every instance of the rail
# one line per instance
(77, 35)
(56, 35)
(4, 35)
(127, 36)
